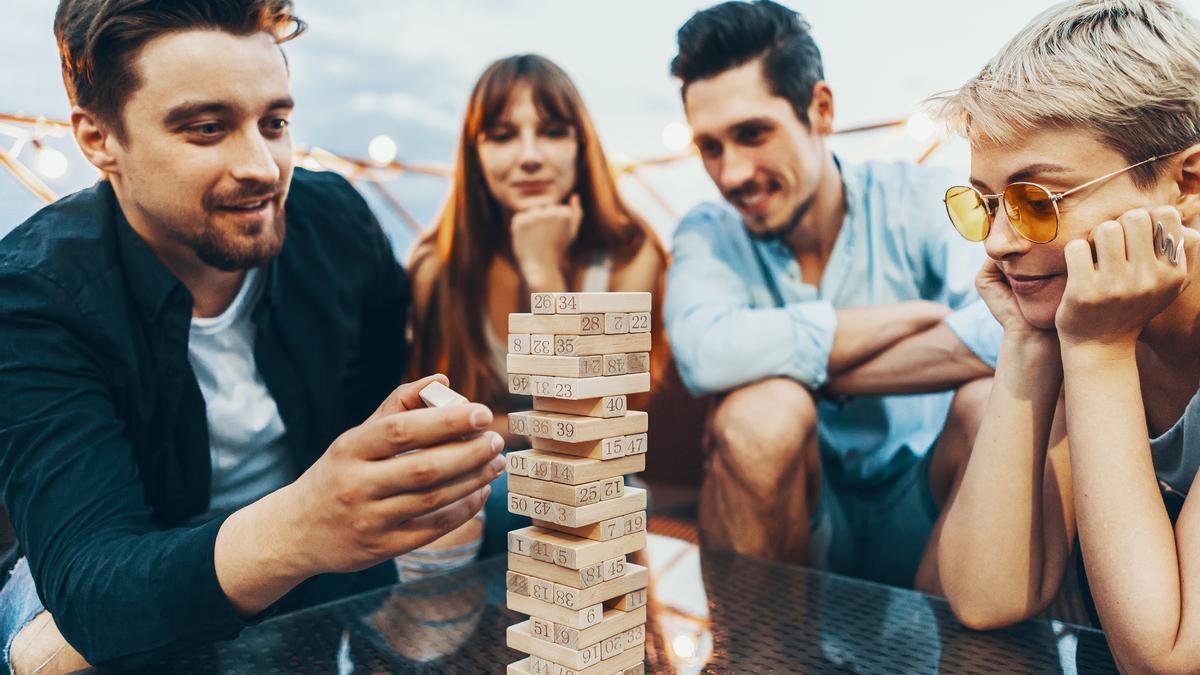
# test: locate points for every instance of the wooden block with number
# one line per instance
(438, 395)
(575, 618)
(599, 303)
(569, 551)
(576, 470)
(541, 345)
(614, 364)
(615, 622)
(637, 362)
(616, 323)
(639, 323)
(518, 343)
(629, 662)
(607, 406)
(580, 578)
(542, 303)
(521, 638)
(556, 324)
(556, 366)
(605, 530)
(559, 493)
(518, 582)
(635, 577)
(520, 384)
(633, 501)
(636, 444)
(636, 635)
(543, 629)
(595, 345)
(604, 449)
(596, 387)
(629, 601)
(575, 428)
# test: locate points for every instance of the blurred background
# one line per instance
(399, 74)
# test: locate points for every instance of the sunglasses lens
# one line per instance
(968, 212)
(1031, 211)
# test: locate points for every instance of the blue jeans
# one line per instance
(19, 604)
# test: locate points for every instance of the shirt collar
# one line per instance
(151, 283)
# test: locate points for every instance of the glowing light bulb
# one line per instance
(676, 136)
(920, 127)
(51, 163)
(382, 149)
(684, 646)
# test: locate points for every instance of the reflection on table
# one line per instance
(709, 611)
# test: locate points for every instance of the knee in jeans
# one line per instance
(762, 428)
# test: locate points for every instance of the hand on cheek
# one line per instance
(541, 236)
(1110, 298)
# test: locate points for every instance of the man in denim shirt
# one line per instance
(830, 307)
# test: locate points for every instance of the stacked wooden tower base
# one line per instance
(579, 355)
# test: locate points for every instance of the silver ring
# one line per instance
(1160, 238)
(1172, 251)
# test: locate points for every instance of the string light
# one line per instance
(676, 136)
(382, 149)
(684, 646)
(920, 127)
(50, 162)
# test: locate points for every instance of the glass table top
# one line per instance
(708, 612)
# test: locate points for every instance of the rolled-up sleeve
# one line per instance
(979, 330)
(719, 338)
(118, 586)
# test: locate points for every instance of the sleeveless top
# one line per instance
(1176, 456)
(596, 279)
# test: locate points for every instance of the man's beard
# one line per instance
(223, 254)
(784, 232)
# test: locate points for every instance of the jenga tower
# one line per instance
(579, 355)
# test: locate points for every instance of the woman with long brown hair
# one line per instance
(533, 208)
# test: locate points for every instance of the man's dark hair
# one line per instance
(98, 40)
(731, 34)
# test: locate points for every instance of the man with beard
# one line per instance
(829, 310)
(201, 424)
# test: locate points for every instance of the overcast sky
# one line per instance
(406, 68)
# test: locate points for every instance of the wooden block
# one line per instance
(521, 667)
(627, 662)
(521, 638)
(516, 582)
(520, 505)
(605, 530)
(599, 303)
(556, 366)
(635, 577)
(541, 589)
(611, 488)
(541, 303)
(574, 428)
(542, 629)
(592, 345)
(603, 449)
(541, 344)
(580, 578)
(637, 362)
(560, 493)
(597, 387)
(616, 323)
(557, 324)
(615, 622)
(607, 406)
(636, 444)
(615, 364)
(629, 601)
(639, 323)
(610, 647)
(517, 462)
(518, 343)
(521, 385)
(576, 470)
(637, 634)
(541, 466)
(541, 385)
(438, 395)
(569, 551)
(611, 569)
(579, 516)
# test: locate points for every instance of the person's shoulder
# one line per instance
(905, 179)
(325, 207)
(68, 243)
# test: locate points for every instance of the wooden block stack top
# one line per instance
(579, 355)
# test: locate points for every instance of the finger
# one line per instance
(1080, 268)
(1138, 228)
(408, 505)
(389, 435)
(433, 526)
(433, 466)
(407, 396)
(1109, 239)
(1173, 228)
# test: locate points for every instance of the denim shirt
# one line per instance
(738, 311)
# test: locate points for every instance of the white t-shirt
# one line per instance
(246, 433)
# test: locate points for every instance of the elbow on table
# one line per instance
(983, 610)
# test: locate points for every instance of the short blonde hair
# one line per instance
(1127, 70)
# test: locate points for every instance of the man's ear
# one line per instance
(820, 111)
(95, 139)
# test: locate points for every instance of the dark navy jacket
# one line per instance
(104, 451)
